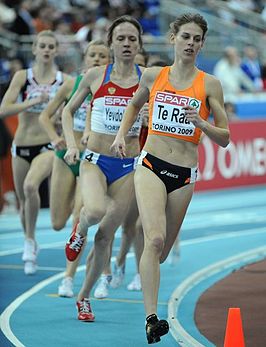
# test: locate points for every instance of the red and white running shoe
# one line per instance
(74, 244)
(85, 313)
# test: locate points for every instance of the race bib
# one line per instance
(114, 108)
(169, 117)
(80, 117)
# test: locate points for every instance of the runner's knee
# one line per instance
(93, 215)
(102, 239)
(58, 224)
(156, 243)
(29, 189)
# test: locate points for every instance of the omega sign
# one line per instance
(242, 162)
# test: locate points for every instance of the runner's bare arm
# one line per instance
(219, 133)
(9, 105)
(87, 130)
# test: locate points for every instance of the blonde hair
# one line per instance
(43, 33)
(97, 42)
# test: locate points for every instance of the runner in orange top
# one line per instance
(166, 107)
(180, 100)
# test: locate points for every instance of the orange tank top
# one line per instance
(166, 117)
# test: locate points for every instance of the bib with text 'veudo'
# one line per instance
(113, 112)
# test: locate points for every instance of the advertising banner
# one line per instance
(241, 163)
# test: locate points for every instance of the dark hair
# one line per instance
(120, 20)
(159, 62)
(145, 55)
(189, 18)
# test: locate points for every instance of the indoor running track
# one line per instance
(223, 231)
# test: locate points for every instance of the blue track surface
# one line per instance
(218, 226)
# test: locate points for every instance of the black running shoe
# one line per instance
(156, 328)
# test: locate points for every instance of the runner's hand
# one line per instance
(192, 115)
(44, 97)
(118, 147)
(72, 156)
(59, 143)
(84, 139)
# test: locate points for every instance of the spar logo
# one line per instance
(117, 100)
(172, 99)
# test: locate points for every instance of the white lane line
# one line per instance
(57, 244)
(228, 219)
(44, 232)
(7, 313)
(44, 246)
(228, 234)
(242, 214)
(177, 330)
(40, 268)
(5, 316)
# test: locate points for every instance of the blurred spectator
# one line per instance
(45, 18)
(78, 16)
(222, 12)
(23, 23)
(92, 30)
(8, 67)
(263, 76)
(150, 21)
(62, 5)
(100, 29)
(84, 34)
(251, 66)
(69, 56)
(15, 64)
(263, 12)
(231, 76)
(62, 27)
(4, 73)
(7, 15)
(241, 5)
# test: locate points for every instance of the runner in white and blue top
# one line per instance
(106, 181)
